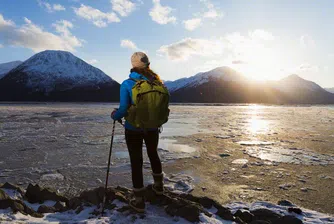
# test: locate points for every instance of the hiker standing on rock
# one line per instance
(144, 103)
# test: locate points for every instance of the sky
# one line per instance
(264, 40)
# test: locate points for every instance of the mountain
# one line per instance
(331, 90)
(6, 67)
(57, 76)
(224, 85)
(300, 90)
(224, 73)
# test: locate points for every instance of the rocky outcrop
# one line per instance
(187, 206)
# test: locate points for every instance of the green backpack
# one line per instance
(150, 108)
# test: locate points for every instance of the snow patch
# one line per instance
(179, 183)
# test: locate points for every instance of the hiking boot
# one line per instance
(138, 201)
(158, 186)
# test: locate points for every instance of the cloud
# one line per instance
(307, 41)
(239, 48)
(98, 18)
(192, 24)
(261, 35)
(185, 48)
(123, 7)
(51, 8)
(1, 46)
(308, 67)
(129, 44)
(213, 12)
(161, 14)
(34, 37)
(58, 7)
(238, 62)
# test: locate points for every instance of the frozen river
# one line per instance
(66, 145)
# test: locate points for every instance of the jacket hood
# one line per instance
(135, 75)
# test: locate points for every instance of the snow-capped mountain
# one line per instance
(6, 67)
(224, 85)
(331, 90)
(221, 73)
(57, 75)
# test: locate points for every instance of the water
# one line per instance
(67, 144)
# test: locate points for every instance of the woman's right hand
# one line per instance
(113, 113)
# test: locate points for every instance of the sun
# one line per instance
(260, 63)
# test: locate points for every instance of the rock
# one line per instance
(295, 210)
(3, 195)
(286, 186)
(13, 187)
(206, 202)
(223, 155)
(245, 216)
(36, 194)
(46, 209)
(198, 140)
(224, 136)
(73, 203)
(265, 214)
(59, 207)
(188, 212)
(304, 189)
(238, 221)
(288, 219)
(285, 203)
(94, 196)
(260, 222)
(244, 166)
(18, 206)
(225, 213)
(80, 209)
(203, 188)
(121, 197)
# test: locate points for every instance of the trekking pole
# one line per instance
(106, 186)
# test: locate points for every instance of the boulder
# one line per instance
(285, 203)
(3, 195)
(225, 213)
(188, 212)
(295, 210)
(265, 214)
(59, 207)
(245, 216)
(13, 187)
(288, 219)
(46, 209)
(95, 196)
(36, 194)
(73, 203)
(18, 206)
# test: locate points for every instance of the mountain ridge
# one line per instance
(7, 67)
(225, 85)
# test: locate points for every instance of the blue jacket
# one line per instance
(126, 99)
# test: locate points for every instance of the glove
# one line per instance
(113, 113)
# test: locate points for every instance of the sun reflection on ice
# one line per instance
(257, 124)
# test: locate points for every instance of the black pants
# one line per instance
(134, 141)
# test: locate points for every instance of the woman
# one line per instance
(135, 136)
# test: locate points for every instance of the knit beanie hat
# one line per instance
(139, 60)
